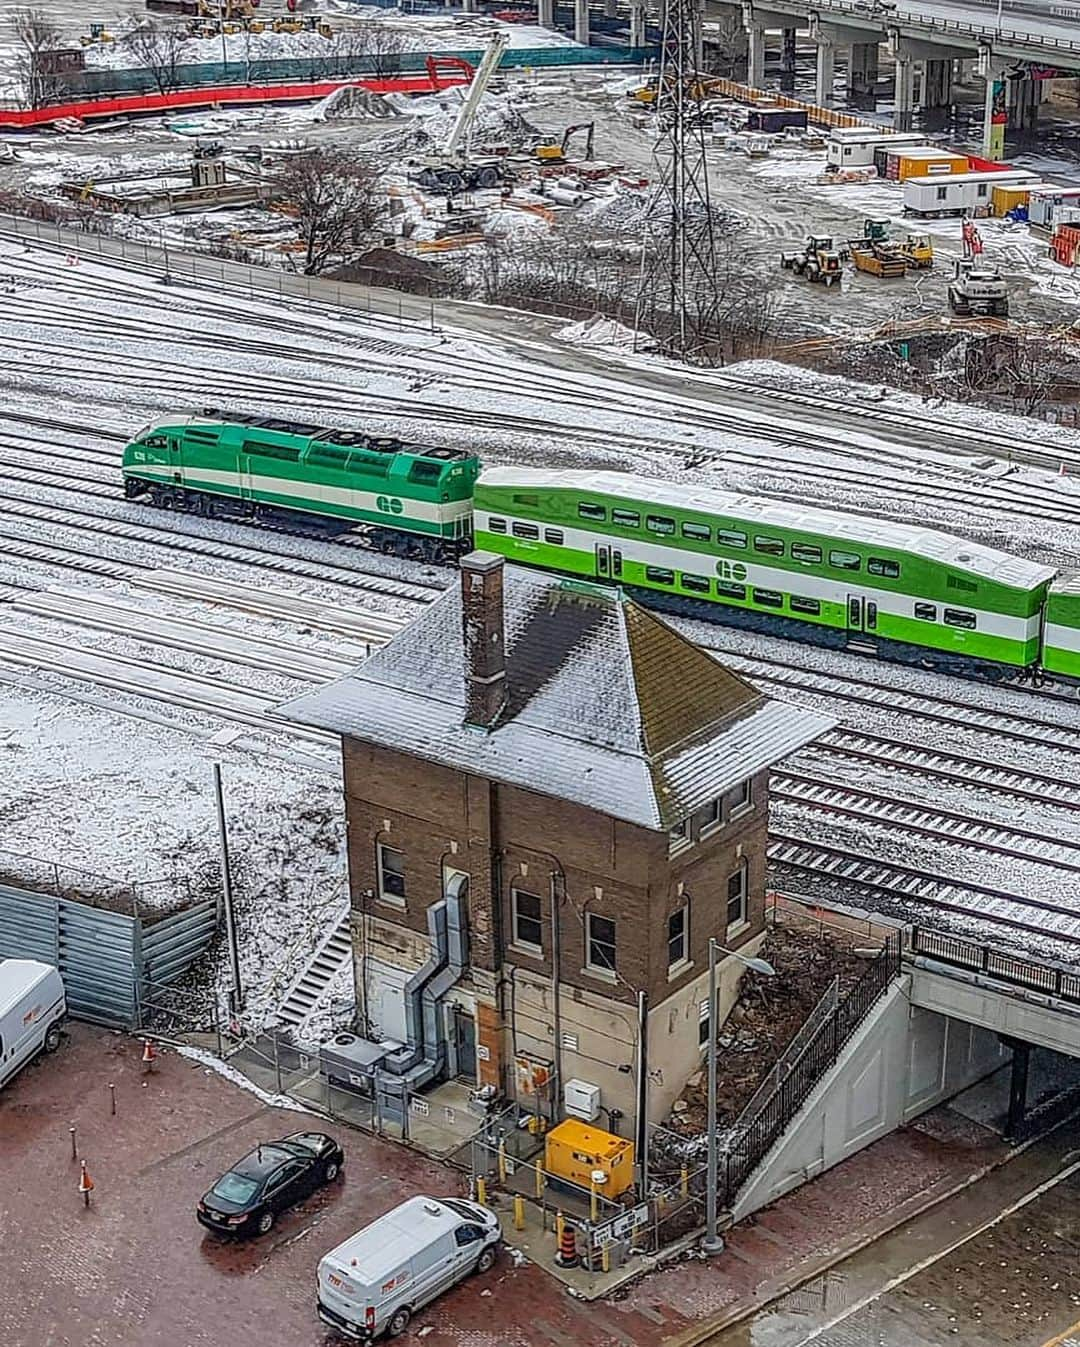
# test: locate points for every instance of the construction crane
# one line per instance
(451, 167)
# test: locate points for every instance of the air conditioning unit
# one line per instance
(582, 1100)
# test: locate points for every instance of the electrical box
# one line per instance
(582, 1100)
(573, 1152)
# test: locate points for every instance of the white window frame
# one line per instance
(735, 809)
(675, 965)
(742, 871)
(529, 946)
(600, 969)
(386, 895)
(707, 826)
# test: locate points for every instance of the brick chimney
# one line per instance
(483, 638)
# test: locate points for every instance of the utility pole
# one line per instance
(678, 302)
(236, 993)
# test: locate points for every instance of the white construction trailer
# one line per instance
(960, 193)
(854, 146)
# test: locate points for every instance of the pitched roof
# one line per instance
(607, 705)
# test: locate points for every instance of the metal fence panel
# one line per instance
(97, 961)
(170, 946)
(28, 925)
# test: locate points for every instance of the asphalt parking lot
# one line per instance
(136, 1270)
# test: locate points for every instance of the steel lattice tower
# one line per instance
(678, 299)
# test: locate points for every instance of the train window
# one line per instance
(871, 614)
(326, 458)
(845, 561)
(526, 531)
(927, 612)
(589, 511)
(289, 453)
(773, 547)
(659, 523)
(370, 464)
(768, 598)
(880, 566)
(801, 605)
(957, 617)
(806, 553)
(961, 582)
(156, 442)
(658, 576)
(628, 519)
(554, 536)
(701, 532)
(496, 525)
(727, 589)
(425, 472)
(730, 538)
(698, 583)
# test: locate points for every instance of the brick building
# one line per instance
(597, 786)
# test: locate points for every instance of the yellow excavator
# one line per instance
(550, 150)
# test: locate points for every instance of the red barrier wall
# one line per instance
(223, 96)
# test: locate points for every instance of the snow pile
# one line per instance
(598, 331)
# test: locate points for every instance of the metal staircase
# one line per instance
(306, 991)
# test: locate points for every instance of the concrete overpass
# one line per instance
(927, 42)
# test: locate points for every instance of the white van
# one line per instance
(32, 1005)
(376, 1281)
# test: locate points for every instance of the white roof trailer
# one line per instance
(960, 192)
(1047, 198)
(854, 146)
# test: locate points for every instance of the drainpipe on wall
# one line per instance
(556, 964)
(641, 1128)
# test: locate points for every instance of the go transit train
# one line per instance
(899, 590)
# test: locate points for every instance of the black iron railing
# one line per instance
(997, 964)
(745, 1151)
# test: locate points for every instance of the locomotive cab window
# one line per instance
(589, 511)
(526, 530)
(628, 519)
(425, 472)
(156, 442)
(659, 523)
(807, 553)
(957, 617)
(730, 538)
(890, 570)
(845, 561)
(700, 532)
(773, 547)
(926, 612)
(496, 525)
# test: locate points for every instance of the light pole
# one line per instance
(712, 1243)
(999, 8)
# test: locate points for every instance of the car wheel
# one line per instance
(399, 1322)
(52, 1038)
(330, 1171)
(266, 1222)
(486, 1261)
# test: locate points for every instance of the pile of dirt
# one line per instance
(766, 1017)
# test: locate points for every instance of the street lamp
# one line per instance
(712, 1243)
(999, 7)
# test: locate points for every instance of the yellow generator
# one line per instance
(574, 1150)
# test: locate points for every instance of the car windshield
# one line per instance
(470, 1213)
(235, 1188)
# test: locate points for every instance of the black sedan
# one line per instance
(276, 1175)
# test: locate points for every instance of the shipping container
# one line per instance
(959, 194)
(774, 119)
(1047, 198)
(1012, 196)
(854, 146)
(919, 161)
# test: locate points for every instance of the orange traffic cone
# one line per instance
(149, 1055)
(567, 1255)
(86, 1184)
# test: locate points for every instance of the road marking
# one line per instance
(1067, 1338)
(929, 1262)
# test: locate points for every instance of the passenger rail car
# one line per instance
(414, 500)
(903, 590)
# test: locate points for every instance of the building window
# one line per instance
(707, 818)
(528, 924)
(678, 936)
(942, 193)
(600, 941)
(391, 874)
(736, 898)
(738, 799)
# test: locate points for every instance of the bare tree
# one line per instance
(1033, 370)
(337, 200)
(726, 44)
(36, 61)
(385, 50)
(159, 50)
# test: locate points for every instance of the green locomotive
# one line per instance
(415, 500)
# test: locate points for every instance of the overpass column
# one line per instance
(826, 70)
(787, 60)
(755, 66)
(904, 96)
(995, 106)
(581, 22)
(545, 13)
(611, 9)
(637, 22)
(1018, 1083)
(937, 84)
(1024, 104)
